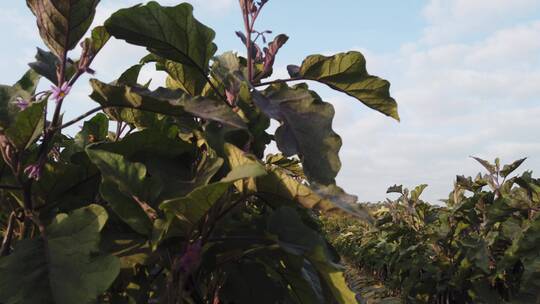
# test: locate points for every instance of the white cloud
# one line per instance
(467, 87)
(452, 20)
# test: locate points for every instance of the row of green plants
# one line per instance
(167, 195)
(481, 246)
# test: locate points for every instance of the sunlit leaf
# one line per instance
(195, 205)
(122, 185)
(306, 129)
(169, 32)
(62, 23)
(347, 72)
(164, 101)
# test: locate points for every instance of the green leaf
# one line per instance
(24, 88)
(418, 190)
(183, 77)
(291, 165)
(508, 169)
(347, 72)
(46, 64)
(64, 267)
(93, 131)
(98, 38)
(196, 204)
(489, 167)
(304, 280)
(295, 237)
(164, 101)
(28, 126)
(169, 32)
(344, 201)
(334, 278)
(280, 187)
(149, 142)
(123, 186)
(243, 164)
(292, 234)
(62, 23)
(249, 283)
(66, 186)
(306, 129)
(131, 75)
(395, 189)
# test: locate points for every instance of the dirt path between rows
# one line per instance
(368, 290)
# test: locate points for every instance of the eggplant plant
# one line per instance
(481, 247)
(168, 195)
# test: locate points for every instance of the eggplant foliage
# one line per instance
(480, 247)
(167, 195)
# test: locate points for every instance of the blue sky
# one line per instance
(465, 73)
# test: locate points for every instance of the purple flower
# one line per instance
(21, 103)
(59, 93)
(33, 171)
(191, 258)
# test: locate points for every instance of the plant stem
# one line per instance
(80, 117)
(10, 187)
(248, 27)
(118, 130)
(6, 242)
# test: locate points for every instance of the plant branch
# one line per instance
(8, 237)
(10, 187)
(80, 117)
(248, 27)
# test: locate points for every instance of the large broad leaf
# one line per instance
(333, 276)
(62, 23)
(341, 199)
(184, 77)
(306, 129)
(164, 101)
(347, 72)
(194, 206)
(28, 126)
(169, 32)
(249, 283)
(181, 76)
(295, 237)
(66, 186)
(291, 233)
(24, 88)
(64, 267)
(149, 142)
(304, 280)
(279, 186)
(124, 186)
